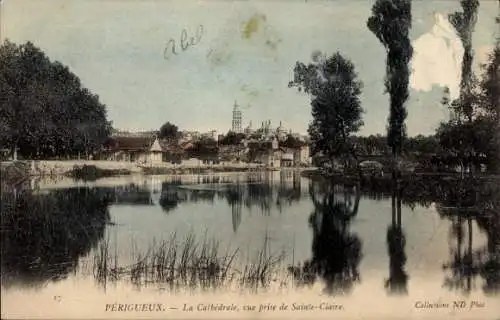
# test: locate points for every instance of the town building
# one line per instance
(302, 156)
(249, 130)
(212, 134)
(237, 119)
(144, 150)
(287, 159)
(266, 152)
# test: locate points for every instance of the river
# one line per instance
(81, 243)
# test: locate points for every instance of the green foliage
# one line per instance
(370, 145)
(377, 145)
(490, 84)
(391, 24)
(44, 109)
(471, 142)
(292, 142)
(421, 144)
(464, 23)
(169, 131)
(232, 139)
(204, 148)
(473, 132)
(490, 97)
(336, 108)
(92, 173)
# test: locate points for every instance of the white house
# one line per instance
(266, 152)
(287, 159)
(301, 156)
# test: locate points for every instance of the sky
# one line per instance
(245, 52)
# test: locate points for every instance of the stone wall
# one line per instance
(57, 168)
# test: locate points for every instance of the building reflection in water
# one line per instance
(290, 188)
(256, 191)
(43, 235)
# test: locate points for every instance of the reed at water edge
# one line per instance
(187, 264)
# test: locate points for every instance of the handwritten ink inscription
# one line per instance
(185, 41)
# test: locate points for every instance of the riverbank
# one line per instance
(385, 182)
(19, 171)
(13, 172)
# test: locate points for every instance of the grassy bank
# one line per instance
(316, 174)
(13, 173)
(92, 173)
(202, 170)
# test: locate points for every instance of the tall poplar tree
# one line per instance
(391, 22)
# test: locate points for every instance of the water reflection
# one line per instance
(472, 202)
(290, 189)
(234, 197)
(43, 235)
(465, 202)
(256, 191)
(171, 196)
(336, 251)
(132, 194)
(397, 283)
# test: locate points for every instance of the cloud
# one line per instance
(437, 58)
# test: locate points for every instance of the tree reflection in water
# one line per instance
(465, 202)
(234, 197)
(171, 196)
(396, 241)
(44, 235)
(133, 195)
(336, 252)
(472, 201)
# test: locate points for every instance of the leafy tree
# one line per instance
(490, 100)
(169, 131)
(45, 111)
(205, 147)
(232, 138)
(473, 131)
(490, 84)
(336, 108)
(292, 142)
(391, 24)
(421, 144)
(371, 145)
(464, 23)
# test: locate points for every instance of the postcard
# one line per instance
(218, 159)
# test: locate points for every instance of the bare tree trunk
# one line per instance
(14, 151)
(469, 255)
(399, 222)
(393, 206)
